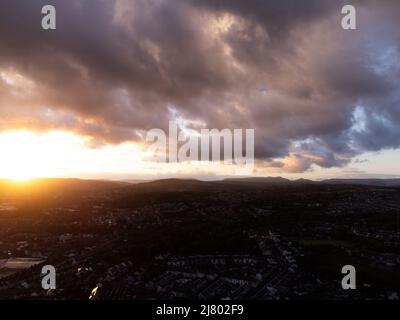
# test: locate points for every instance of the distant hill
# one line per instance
(136, 181)
(280, 180)
(269, 180)
(305, 181)
(183, 184)
(79, 189)
(367, 182)
(42, 188)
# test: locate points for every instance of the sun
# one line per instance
(27, 155)
(20, 177)
(16, 162)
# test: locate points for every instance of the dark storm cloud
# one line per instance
(286, 68)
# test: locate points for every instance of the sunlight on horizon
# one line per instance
(28, 155)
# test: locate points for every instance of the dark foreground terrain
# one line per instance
(186, 239)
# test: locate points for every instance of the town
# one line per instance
(188, 239)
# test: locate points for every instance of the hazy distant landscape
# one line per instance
(257, 239)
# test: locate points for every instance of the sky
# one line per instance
(77, 101)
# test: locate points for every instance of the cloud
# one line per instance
(114, 68)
